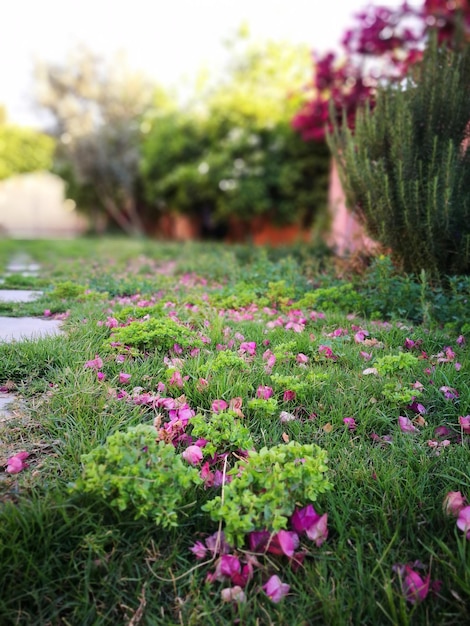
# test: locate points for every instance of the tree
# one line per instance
(97, 112)
(23, 150)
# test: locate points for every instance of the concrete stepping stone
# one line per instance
(19, 295)
(21, 328)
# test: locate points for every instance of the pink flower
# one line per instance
(287, 541)
(95, 364)
(176, 379)
(288, 395)
(47, 313)
(192, 454)
(415, 589)
(219, 405)
(360, 336)
(15, 463)
(249, 347)
(275, 589)
(453, 503)
(284, 416)
(199, 550)
(449, 392)
(366, 355)
(465, 424)
(228, 565)
(202, 384)
(318, 531)
(235, 405)
(460, 340)
(350, 422)
(302, 359)
(233, 594)
(100, 376)
(406, 425)
(326, 351)
(463, 520)
(124, 378)
(264, 392)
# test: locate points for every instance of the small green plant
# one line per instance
(393, 363)
(133, 471)
(343, 298)
(397, 394)
(156, 334)
(267, 486)
(224, 360)
(67, 289)
(223, 432)
(262, 407)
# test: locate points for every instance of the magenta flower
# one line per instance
(199, 550)
(449, 392)
(95, 364)
(124, 378)
(350, 423)
(463, 521)
(275, 589)
(303, 518)
(100, 376)
(360, 336)
(192, 454)
(264, 392)
(453, 503)
(289, 395)
(326, 351)
(284, 541)
(228, 565)
(415, 588)
(406, 425)
(219, 405)
(249, 347)
(318, 531)
(460, 340)
(15, 463)
(302, 359)
(465, 424)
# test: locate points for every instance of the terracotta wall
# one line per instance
(346, 235)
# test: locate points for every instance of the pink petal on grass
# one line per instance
(453, 503)
(219, 405)
(465, 424)
(415, 588)
(124, 378)
(192, 455)
(350, 423)
(95, 364)
(15, 463)
(233, 594)
(463, 520)
(406, 425)
(264, 392)
(275, 589)
(318, 531)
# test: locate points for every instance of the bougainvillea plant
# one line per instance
(382, 45)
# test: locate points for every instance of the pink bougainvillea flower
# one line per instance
(441, 431)
(202, 384)
(47, 313)
(192, 454)
(233, 594)
(414, 587)
(370, 370)
(350, 423)
(453, 503)
(460, 340)
(416, 407)
(95, 364)
(199, 550)
(100, 376)
(219, 405)
(463, 521)
(406, 425)
(366, 355)
(16, 464)
(302, 359)
(258, 540)
(289, 395)
(465, 423)
(285, 542)
(326, 351)
(235, 405)
(249, 347)
(176, 379)
(360, 336)
(275, 589)
(449, 392)
(124, 378)
(264, 392)
(228, 565)
(318, 531)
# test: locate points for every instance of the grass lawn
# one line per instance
(234, 435)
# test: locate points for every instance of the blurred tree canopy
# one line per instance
(97, 110)
(23, 150)
(233, 151)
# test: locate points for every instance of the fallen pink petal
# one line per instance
(406, 425)
(275, 589)
(16, 464)
(193, 455)
(463, 521)
(415, 588)
(453, 503)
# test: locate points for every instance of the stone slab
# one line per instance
(19, 295)
(20, 328)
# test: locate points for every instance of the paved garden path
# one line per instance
(21, 328)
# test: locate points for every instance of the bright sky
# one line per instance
(167, 39)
